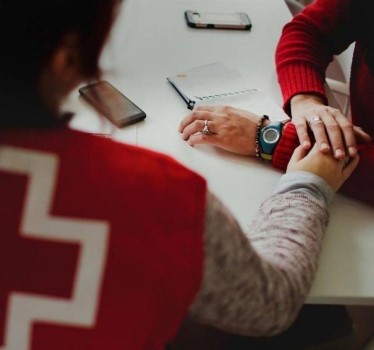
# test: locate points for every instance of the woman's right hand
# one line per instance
(330, 127)
(231, 129)
(325, 165)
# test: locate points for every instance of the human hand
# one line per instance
(333, 171)
(231, 129)
(330, 127)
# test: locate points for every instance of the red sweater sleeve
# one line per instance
(307, 46)
(286, 145)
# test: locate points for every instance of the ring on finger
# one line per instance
(206, 130)
(314, 120)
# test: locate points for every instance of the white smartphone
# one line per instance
(218, 20)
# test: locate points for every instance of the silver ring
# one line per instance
(206, 131)
(314, 120)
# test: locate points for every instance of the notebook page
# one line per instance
(208, 80)
(255, 101)
(218, 84)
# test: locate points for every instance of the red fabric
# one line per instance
(153, 209)
(360, 184)
(286, 145)
(306, 47)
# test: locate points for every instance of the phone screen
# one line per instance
(110, 102)
(234, 20)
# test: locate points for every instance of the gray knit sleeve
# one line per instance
(255, 283)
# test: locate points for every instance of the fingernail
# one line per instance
(339, 153)
(352, 151)
(306, 144)
(324, 147)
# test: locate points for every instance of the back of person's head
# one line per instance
(361, 14)
(31, 31)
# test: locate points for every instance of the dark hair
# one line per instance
(30, 31)
(361, 15)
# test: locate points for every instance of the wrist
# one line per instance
(268, 134)
(302, 99)
(259, 127)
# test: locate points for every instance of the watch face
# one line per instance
(271, 135)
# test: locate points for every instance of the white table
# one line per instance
(151, 41)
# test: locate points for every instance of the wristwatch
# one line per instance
(269, 137)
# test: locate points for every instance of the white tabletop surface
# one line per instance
(150, 42)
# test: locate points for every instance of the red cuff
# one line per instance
(287, 144)
(301, 78)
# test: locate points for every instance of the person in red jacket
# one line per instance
(109, 246)
(306, 47)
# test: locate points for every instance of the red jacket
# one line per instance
(306, 47)
(101, 243)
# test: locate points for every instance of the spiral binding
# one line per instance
(226, 94)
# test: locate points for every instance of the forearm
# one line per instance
(255, 284)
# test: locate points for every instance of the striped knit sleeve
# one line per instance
(300, 78)
(286, 145)
(254, 284)
(307, 46)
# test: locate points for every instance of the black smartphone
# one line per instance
(215, 20)
(110, 102)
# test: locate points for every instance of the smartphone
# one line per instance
(110, 102)
(211, 20)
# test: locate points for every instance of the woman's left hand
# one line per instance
(333, 171)
(230, 128)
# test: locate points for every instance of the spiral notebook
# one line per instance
(218, 84)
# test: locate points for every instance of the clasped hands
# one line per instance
(330, 128)
(234, 130)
